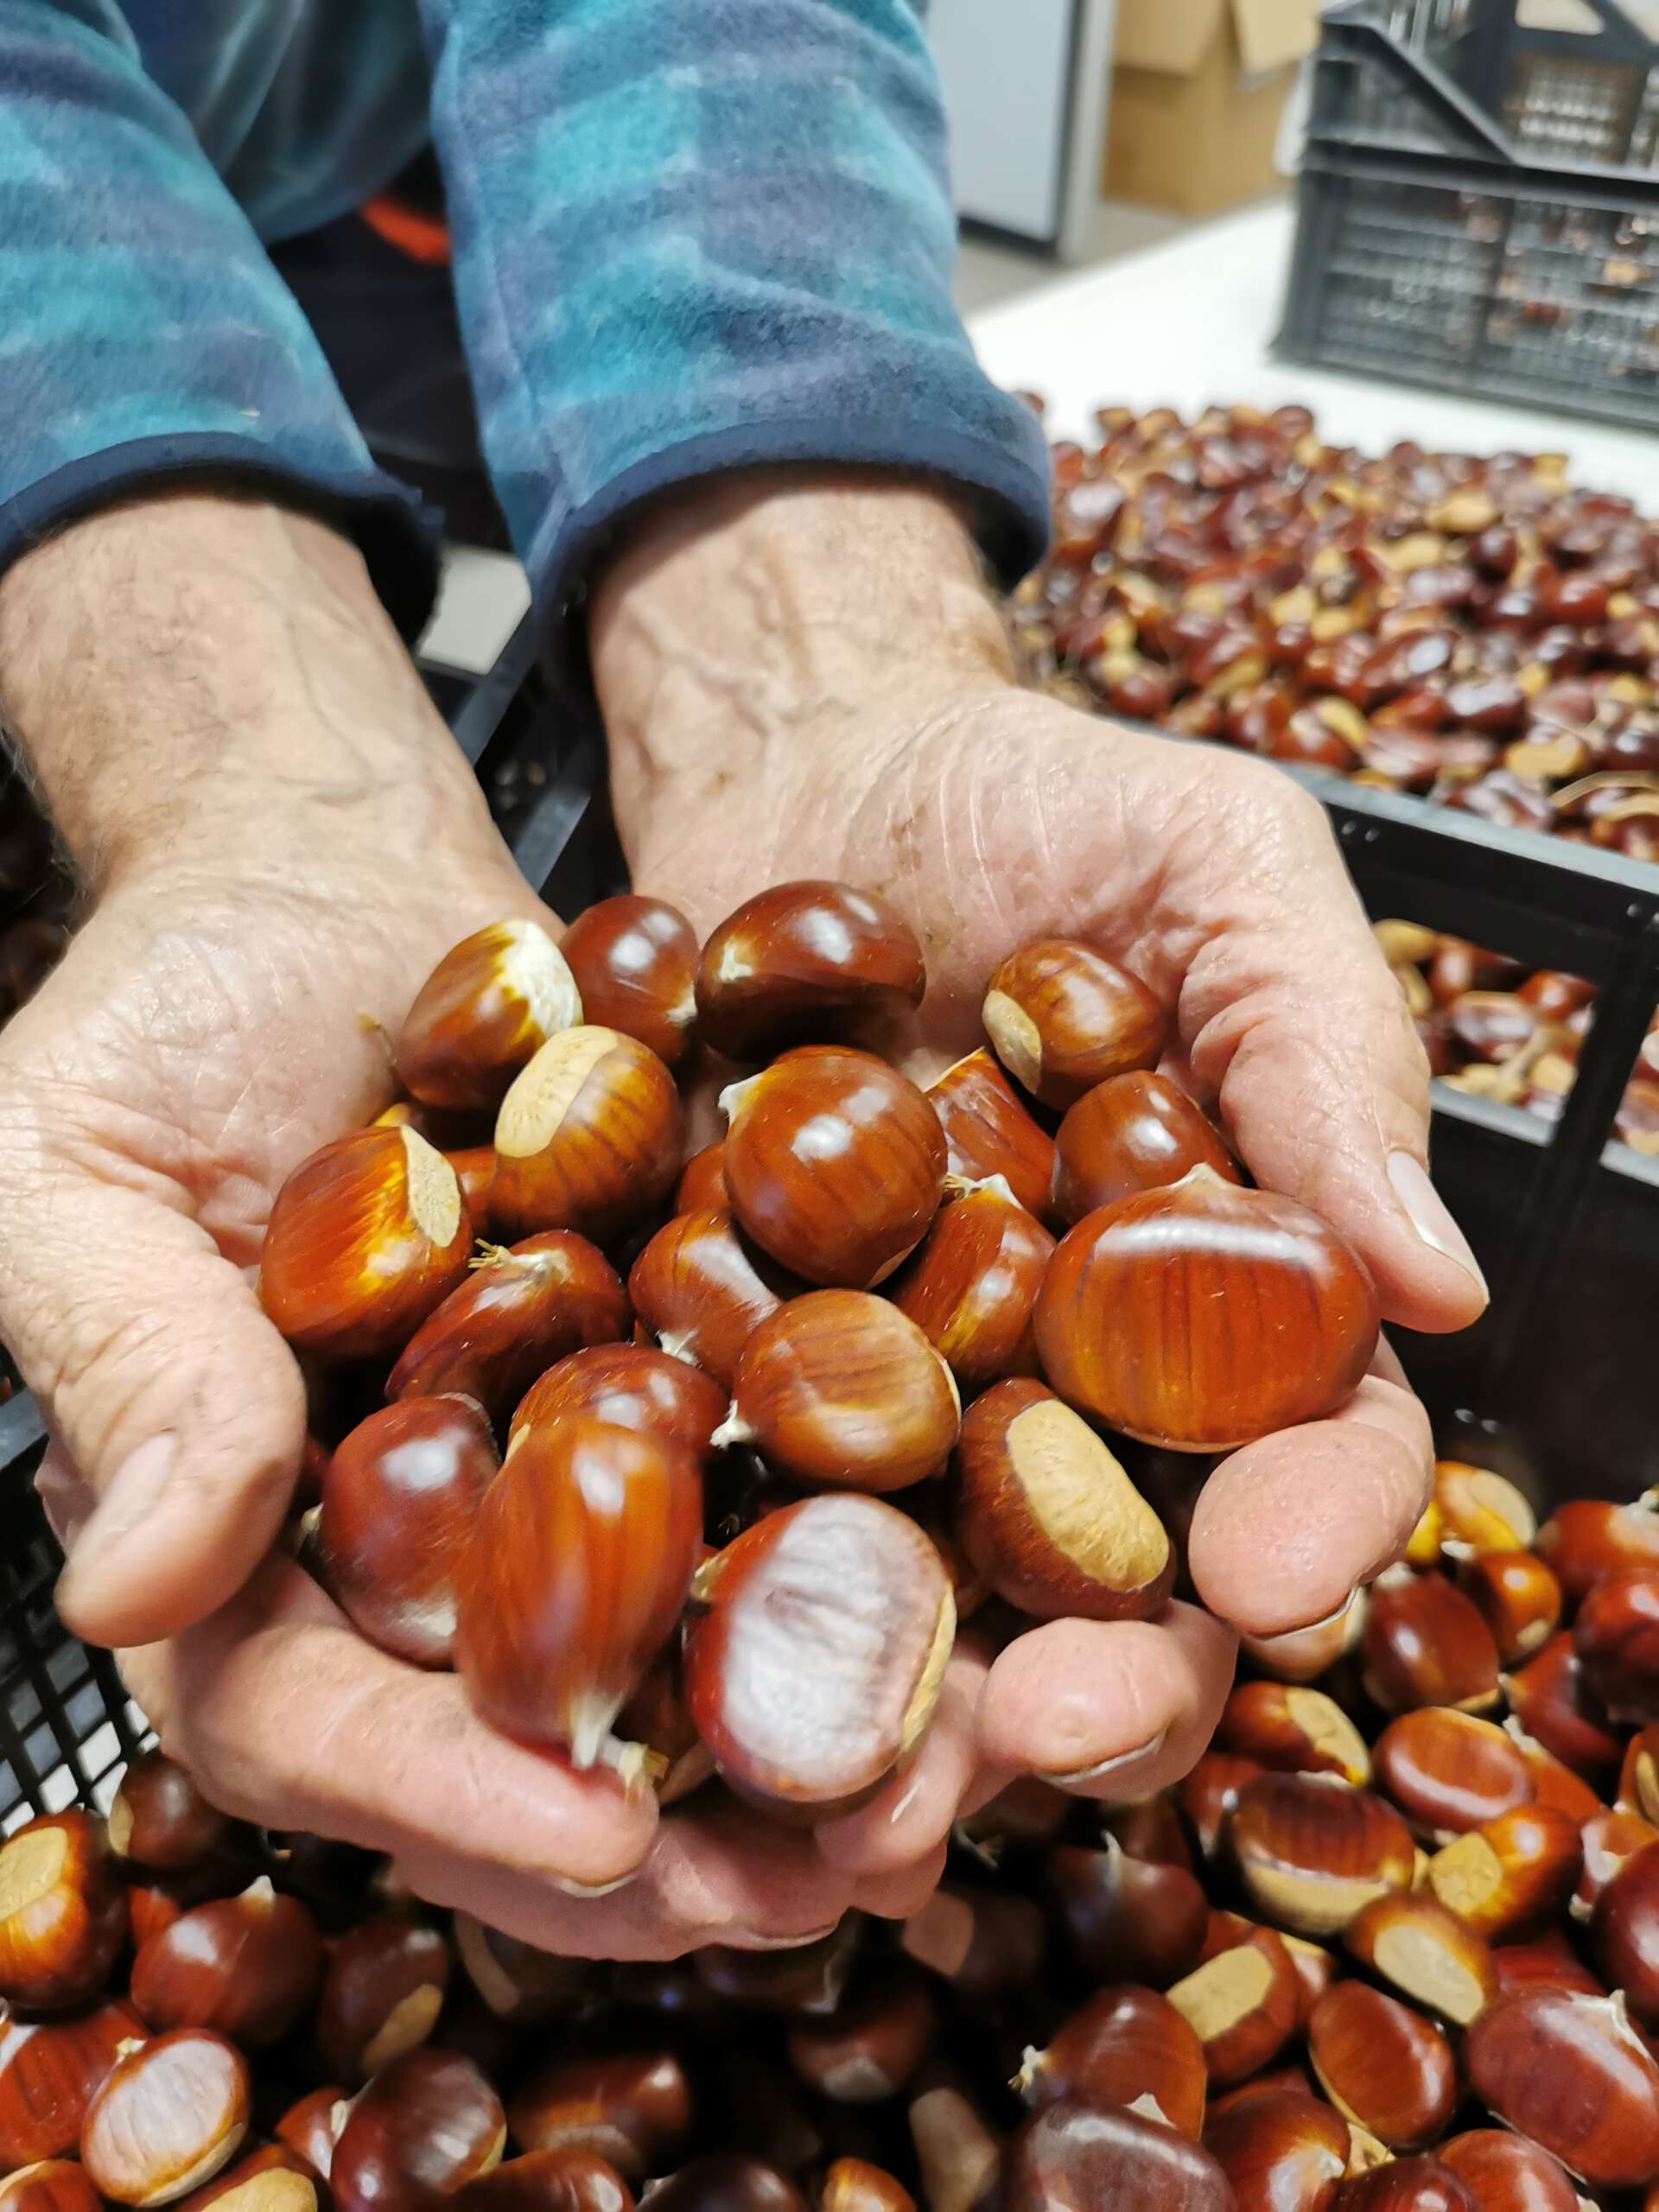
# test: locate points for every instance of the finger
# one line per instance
(1284, 1529)
(912, 1814)
(288, 1718)
(1101, 1705)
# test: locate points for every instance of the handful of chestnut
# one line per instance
(724, 1517)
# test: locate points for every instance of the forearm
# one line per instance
(187, 672)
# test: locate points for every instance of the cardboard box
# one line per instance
(1197, 90)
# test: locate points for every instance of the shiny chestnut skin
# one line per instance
(1509, 1872)
(1481, 1509)
(1311, 1850)
(1586, 1540)
(1616, 1642)
(1423, 1643)
(702, 1291)
(166, 2118)
(1049, 1517)
(1571, 2073)
(1063, 1018)
(63, 1912)
(1415, 2184)
(1551, 1699)
(1638, 1774)
(702, 1187)
(1294, 1730)
(366, 1238)
(805, 962)
(49, 2071)
(382, 1992)
(971, 1283)
(587, 1138)
(1383, 2065)
(1243, 2001)
(1281, 2153)
(159, 1819)
(1118, 1916)
(1209, 1793)
(425, 2125)
(815, 1656)
(988, 1132)
(398, 1503)
(724, 2181)
(486, 1009)
(1204, 1249)
(807, 1981)
(634, 2109)
(523, 1307)
(578, 1563)
(52, 2185)
(517, 1982)
(630, 1386)
(870, 2048)
(1624, 1934)
(310, 2124)
(246, 1966)
(1518, 1598)
(855, 2186)
(548, 2181)
(984, 1942)
(1070, 2157)
(1505, 2173)
(1124, 2045)
(1609, 1842)
(1447, 1771)
(1424, 1952)
(834, 1163)
(635, 963)
(271, 2179)
(1134, 1132)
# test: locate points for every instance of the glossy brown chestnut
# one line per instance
(587, 1138)
(805, 962)
(971, 1284)
(1546, 1961)
(723, 2181)
(366, 1237)
(1586, 1540)
(160, 1820)
(271, 2179)
(52, 2185)
(1552, 1701)
(958, 2154)
(517, 1981)
(548, 2181)
(1505, 2173)
(1209, 1794)
(1424, 1643)
(1383, 2065)
(834, 1163)
(633, 2108)
(635, 964)
(1293, 1730)
(1481, 1509)
(630, 1386)
(702, 1291)
(522, 1307)
(1170, 1315)
(1134, 1132)
(578, 1563)
(1447, 1771)
(63, 1912)
(1553, 1784)
(870, 2047)
(1123, 1918)
(1572, 2073)
(49, 2071)
(987, 1132)
(1624, 1934)
(841, 1389)
(1517, 1596)
(382, 1992)
(984, 1942)
(854, 2185)
(1071, 2158)
(1616, 1640)
(1242, 2003)
(808, 1981)
(1419, 2184)
(310, 2124)
(1063, 1017)
(398, 1503)
(1048, 1516)
(1609, 1842)
(245, 1966)
(1311, 1850)
(166, 2118)
(1125, 2046)
(1423, 1952)
(1509, 1872)
(488, 1007)
(816, 1658)
(426, 2125)
(475, 1166)
(1281, 2153)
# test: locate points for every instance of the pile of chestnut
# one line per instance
(1490, 1027)
(1474, 629)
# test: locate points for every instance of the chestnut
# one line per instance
(1311, 1850)
(1124, 1918)
(629, 1386)
(817, 1651)
(870, 2048)
(475, 1166)
(702, 1187)
(426, 2124)
(1295, 1731)
(854, 2185)
(1063, 1018)
(1243, 2003)
(988, 1133)
(1552, 1783)
(1616, 1641)
(1638, 1774)
(1447, 1771)
(1125, 2046)
(1417, 2184)
(985, 1942)
(1586, 1540)
(723, 2181)
(1609, 1842)
(63, 1912)
(971, 1283)
(166, 2118)
(517, 1982)
(834, 1163)
(806, 1980)
(1505, 2173)
(399, 1502)
(634, 961)
(1481, 1509)
(246, 1966)
(548, 2181)
(703, 1292)
(1517, 1596)
(958, 2155)
(1572, 2073)
(159, 1819)
(50, 2185)
(311, 2123)
(1552, 1699)
(1281, 2151)
(273, 2179)
(1209, 1794)
(633, 2108)
(1518, 1868)
(1546, 1961)
(587, 1138)
(1624, 1934)
(805, 962)
(1070, 2157)
(523, 1307)
(49, 2071)
(1424, 1643)
(1251, 1276)
(382, 1992)
(366, 1237)
(1134, 1132)
(490, 1004)
(840, 1388)
(578, 1563)
(1412, 1942)
(1383, 2065)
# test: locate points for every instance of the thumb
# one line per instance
(176, 1400)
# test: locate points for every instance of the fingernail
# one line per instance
(1154, 1744)
(572, 1889)
(1298, 1655)
(131, 1498)
(751, 1940)
(1430, 1215)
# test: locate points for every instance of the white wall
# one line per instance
(1005, 69)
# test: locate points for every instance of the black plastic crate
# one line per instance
(1461, 225)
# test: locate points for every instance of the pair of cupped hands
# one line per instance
(218, 1017)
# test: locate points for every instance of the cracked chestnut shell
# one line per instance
(805, 962)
